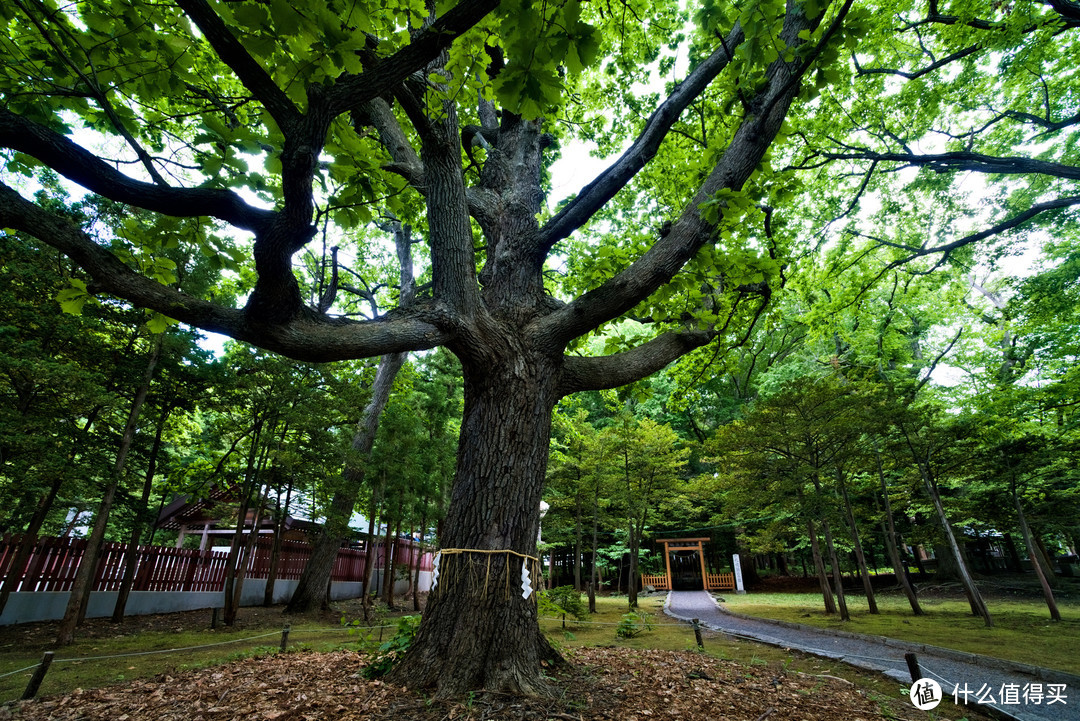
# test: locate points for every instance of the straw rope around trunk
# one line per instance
(464, 575)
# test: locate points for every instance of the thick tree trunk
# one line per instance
(478, 629)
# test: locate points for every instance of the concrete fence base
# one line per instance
(50, 605)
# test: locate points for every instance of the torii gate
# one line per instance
(711, 581)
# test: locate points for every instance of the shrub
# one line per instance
(633, 624)
(393, 649)
(564, 599)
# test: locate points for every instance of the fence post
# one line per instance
(697, 633)
(913, 666)
(284, 637)
(38, 677)
(214, 620)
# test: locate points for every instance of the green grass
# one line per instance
(672, 635)
(1022, 630)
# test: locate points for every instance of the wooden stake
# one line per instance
(913, 666)
(697, 634)
(284, 637)
(38, 677)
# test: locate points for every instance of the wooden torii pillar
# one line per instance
(685, 544)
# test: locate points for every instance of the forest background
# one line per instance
(818, 214)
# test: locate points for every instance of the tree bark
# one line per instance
(75, 612)
(975, 599)
(837, 576)
(1029, 541)
(860, 559)
(819, 568)
(132, 556)
(482, 633)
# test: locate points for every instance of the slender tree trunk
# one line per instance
(234, 557)
(1029, 541)
(1014, 557)
(838, 578)
(889, 529)
(393, 546)
(502, 458)
(975, 599)
(132, 556)
(279, 538)
(819, 568)
(311, 589)
(1044, 557)
(41, 512)
(369, 553)
(419, 558)
(860, 559)
(577, 538)
(75, 612)
(594, 571)
(250, 547)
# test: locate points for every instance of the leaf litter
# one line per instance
(597, 684)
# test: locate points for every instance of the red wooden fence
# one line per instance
(54, 562)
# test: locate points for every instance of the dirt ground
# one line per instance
(598, 683)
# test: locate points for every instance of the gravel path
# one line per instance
(889, 659)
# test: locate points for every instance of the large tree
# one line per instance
(285, 122)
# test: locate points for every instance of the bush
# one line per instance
(633, 624)
(564, 599)
(393, 649)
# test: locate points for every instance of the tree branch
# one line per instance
(612, 371)
(254, 77)
(961, 160)
(1009, 224)
(352, 90)
(88, 170)
(308, 338)
(970, 50)
(597, 193)
(663, 260)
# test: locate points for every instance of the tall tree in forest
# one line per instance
(448, 117)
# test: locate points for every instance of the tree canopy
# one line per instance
(756, 141)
